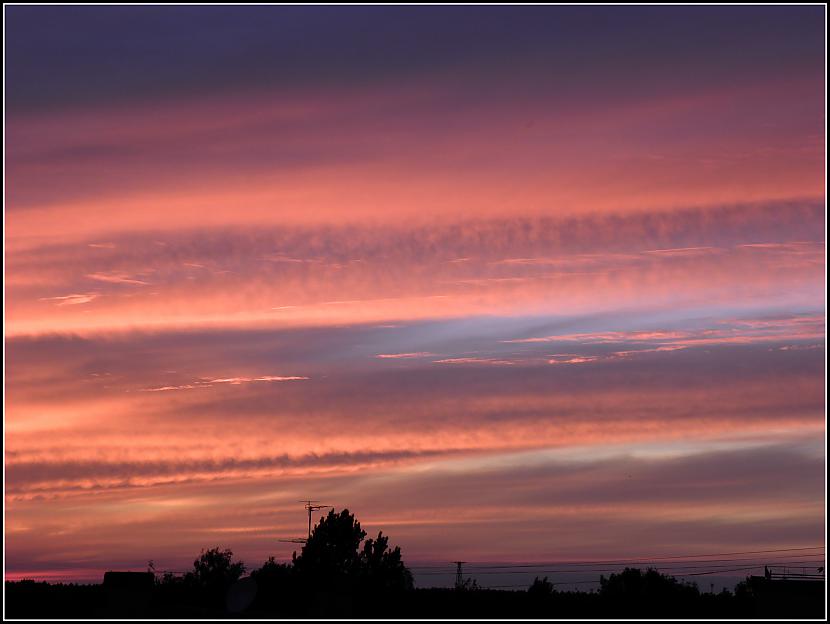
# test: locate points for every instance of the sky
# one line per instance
(512, 284)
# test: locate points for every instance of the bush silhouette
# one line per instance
(540, 588)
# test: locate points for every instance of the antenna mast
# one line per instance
(310, 506)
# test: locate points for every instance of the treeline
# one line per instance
(341, 574)
(337, 571)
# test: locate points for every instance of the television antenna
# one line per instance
(310, 506)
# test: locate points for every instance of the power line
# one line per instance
(669, 557)
(667, 565)
(641, 560)
(793, 560)
(600, 570)
(758, 564)
(720, 571)
(525, 584)
(580, 582)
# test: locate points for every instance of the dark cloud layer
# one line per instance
(79, 55)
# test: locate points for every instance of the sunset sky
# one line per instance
(511, 284)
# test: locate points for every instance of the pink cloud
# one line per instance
(77, 299)
(234, 381)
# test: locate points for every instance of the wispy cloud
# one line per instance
(234, 381)
(402, 272)
(476, 360)
(72, 299)
(573, 359)
(685, 251)
(732, 331)
(116, 279)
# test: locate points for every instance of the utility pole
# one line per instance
(459, 577)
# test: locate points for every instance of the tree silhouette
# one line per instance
(383, 569)
(214, 571)
(635, 582)
(271, 568)
(332, 550)
(633, 591)
(332, 558)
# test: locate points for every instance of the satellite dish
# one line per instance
(240, 595)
